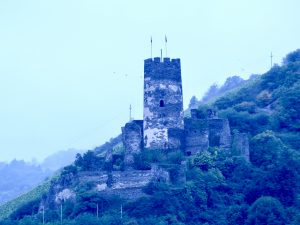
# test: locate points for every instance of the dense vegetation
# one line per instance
(221, 187)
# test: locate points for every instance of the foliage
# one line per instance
(265, 149)
(266, 210)
(28, 208)
(292, 57)
(89, 161)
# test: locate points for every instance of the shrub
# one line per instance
(266, 210)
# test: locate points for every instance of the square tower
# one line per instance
(163, 102)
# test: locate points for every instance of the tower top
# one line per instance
(168, 69)
(165, 60)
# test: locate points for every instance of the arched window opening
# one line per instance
(161, 103)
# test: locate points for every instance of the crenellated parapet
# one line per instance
(162, 69)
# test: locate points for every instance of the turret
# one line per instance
(163, 103)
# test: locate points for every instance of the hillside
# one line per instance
(219, 187)
(231, 84)
(18, 177)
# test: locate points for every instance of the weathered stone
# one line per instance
(225, 138)
(176, 138)
(196, 135)
(163, 103)
(132, 137)
(219, 133)
(240, 145)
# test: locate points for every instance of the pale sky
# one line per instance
(69, 69)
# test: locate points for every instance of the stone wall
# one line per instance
(163, 103)
(219, 133)
(176, 138)
(132, 137)
(240, 145)
(196, 135)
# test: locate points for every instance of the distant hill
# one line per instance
(216, 91)
(60, 159)
(18, 177)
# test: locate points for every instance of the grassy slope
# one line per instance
(9, 207)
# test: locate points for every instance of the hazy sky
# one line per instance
(70, 69)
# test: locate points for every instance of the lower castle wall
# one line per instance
(196, 135)
(240, 145)
(219, 133)
(132, 137)
(176, 138)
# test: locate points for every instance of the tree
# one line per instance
(89, 161)
(203, 160)
(292, 57)
(265, 149)
(266, 211)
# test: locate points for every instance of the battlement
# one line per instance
(166, 68)
(164, 60)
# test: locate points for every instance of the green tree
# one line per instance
(265, 149)
(266, 211)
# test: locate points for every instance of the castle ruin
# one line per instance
(163, 125)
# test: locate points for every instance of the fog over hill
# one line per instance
(18, 176)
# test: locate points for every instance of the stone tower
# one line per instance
(163, 103)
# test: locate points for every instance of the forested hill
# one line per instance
(269, 102)
(221, 187)
(232, 83)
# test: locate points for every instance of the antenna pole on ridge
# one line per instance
(161, 55)
(166, 42)
(151, 47)
(271, 56)
(130, 118)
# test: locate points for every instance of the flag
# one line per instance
(151, 39)
(166, 39)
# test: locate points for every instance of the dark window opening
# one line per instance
(188, 153)
(165, 145)
(161, 103)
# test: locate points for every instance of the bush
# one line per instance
(266, 211)
(265, 149)
(27, 209)
(89, 161)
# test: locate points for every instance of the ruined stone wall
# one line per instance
(126, 184)
(132, 137)
(163, 103)
(176, 138)
(196, 135)
(219, 133)
(240, 145)
(225, 139)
